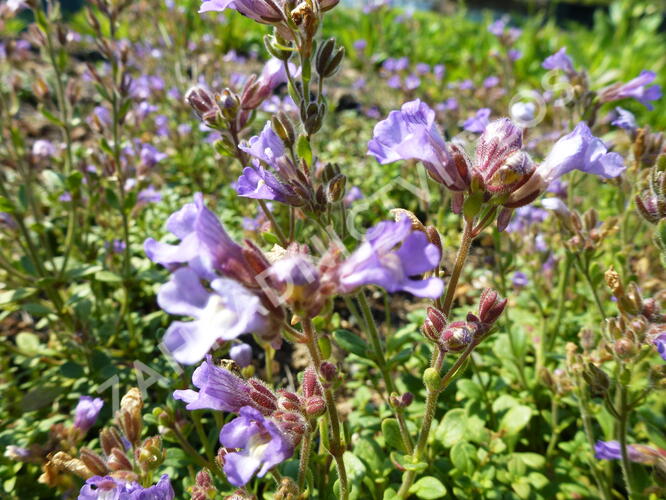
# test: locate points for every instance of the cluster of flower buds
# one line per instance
(586, 232)
(458, 335)
(648, 146)
(311, 403)
(204, 488)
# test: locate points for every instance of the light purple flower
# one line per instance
(115, 246)
(466, 85)
(634, 89)
(497, 27)
(660, 344)
(519, 279)
(86, 412)
(42, 148)
(65, 197)
(219, 389)
(611, 450)
(525, 217)
(394, 82)
(478, 123)
(223, 314)
(378, 261)
(352, 195)
(491, 81)
(578, 150)
(422, 68)
(110, 488)
(260, 184)
(559, 60)
(262, 446)
(241, 354)
(266, 146)
(149, 195)
(412, 82)
(514, 54)
(438, 70)
(360, 45)
(411, 133)
(150, 156)
(204, 244)
(624, 119)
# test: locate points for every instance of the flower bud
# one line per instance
(329, 59)
(263, 398)
(315, 406)
(328, 371)
(311, 386)
(288, 490)
(431, 379)
(203, 103)
(491, 306)
(457, 336)
(596, 379)
(150, 454)
(284, 129)
(434, 324)
(94, 462)
(228, 103)
(289, 401)
(273, 47)
(110, 438)
(516, 169)
(118, 460)
(335, 189)
(625, 348)
(129, 416)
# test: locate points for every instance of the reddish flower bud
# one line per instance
(315, 406)
(262, 396)
(289, 401)
(434, 324)
(328, 371)
(457, 336)
(311, 386)
(491, 306)
(118, 460)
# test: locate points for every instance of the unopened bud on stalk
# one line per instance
(315, 406)
(272, 44)
(129, 416)
(402, 401)
(288, 490)
(284, 129)
(328, 371)
(110, 438)
(491, 306)
(228, 103)
(596, 379)
(150, 454)
(118, 460)
(289, 401)
(329, 58)
(335, 189)
(311, 386)
(625, 348)
(434, 324)
(457, 336)
(262, 396)
(94, 462)
(203, 104)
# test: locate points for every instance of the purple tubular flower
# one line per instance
(660, 344)
(258, 10)
(223, 314)
(149, 195)
(378, 262)
(219, 389)
(559, 60)
(497, 27)
(634, 89)
(394, 82)
(262, 446)
(514, 54)
(412, 82)
(611, 450)
(204, 243)
(519, 279)
(411, 134)
(86, 412)
(241, 354)
(491, 81)
(478, 123)
(110, 488)
(260, 184)
(266, 146)
(624, 119)
(578, 150)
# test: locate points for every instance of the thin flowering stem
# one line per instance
(336, 447)
(304, 461)
(274, 224)
(622, 438)
(378, 352)
(461, 258)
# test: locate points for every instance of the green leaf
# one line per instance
(429, 488)
(351, 342)
(303, 148)
(516, 419)
(451, 429)
(407, 462)
(533, 460)
(391, 433)
(462, 456)
(107, 277)
(72, 370)
(28, 343)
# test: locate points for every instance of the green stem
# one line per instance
(196, 418)
(554, 414)
(461, 257)
(336, 448)
(304, 462)
(276, 227)
(373, 333)
(622, 438)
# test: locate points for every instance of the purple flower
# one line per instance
(578, 150)
(497, 27)
(611, 450)
(394, 82)
(634, 89)
(514, 54)
(86, 412)
(360, 45)
(115, 246)
(352, 195)
(519, 279)
(101, 117)
(204, 243)
(559, 60)
(491, 81)
(411, 133)
(149, 195)
(259, 184)
(219, 389)
(422, 68)
(412, 82)
(110, 488)
(466, 85)
(266, 146)
(660, 344)
(438, 70)
(525, 217)
(223, 314)
(262, 446)
(65, 197)
(478, 123)
(43, 149)
(150, 156)
(378, 262)
(241, 354)
(624, 119)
